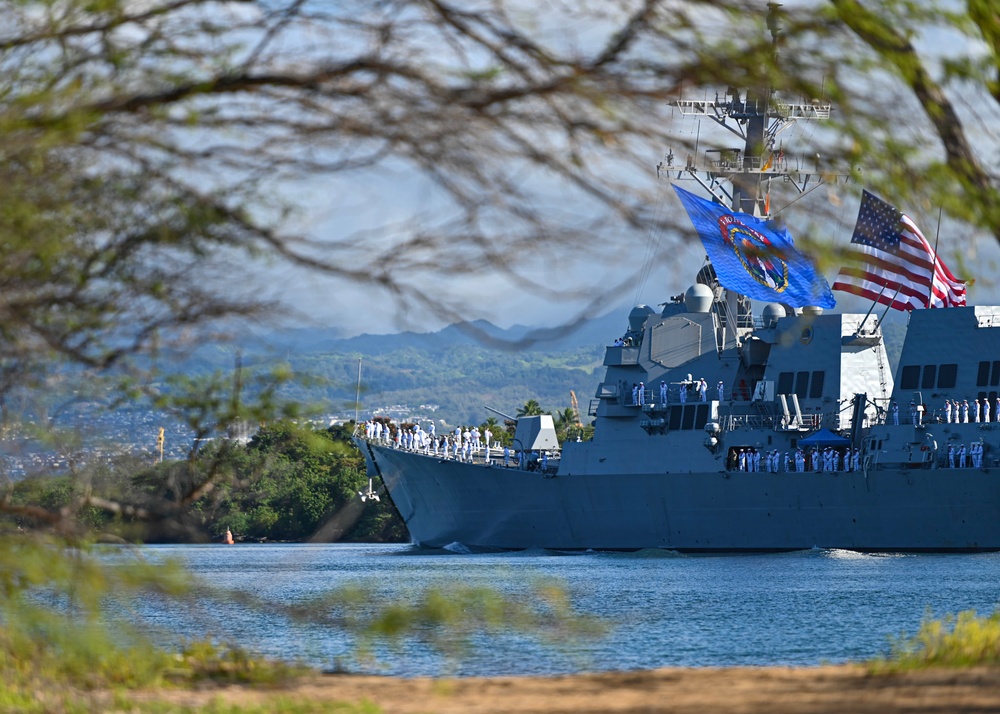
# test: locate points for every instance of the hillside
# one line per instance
(452, 375)
(449, 375)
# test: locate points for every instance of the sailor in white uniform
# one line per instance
(703, 390)
(895, 413)
(684, 392)
(642, 393)
(663, 392)
(951, 456)
(986, 410)
(722, 391)
(947, 411)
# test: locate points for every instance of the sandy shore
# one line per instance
(743, 690)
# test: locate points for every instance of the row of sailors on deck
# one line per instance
(959, 458)
(462, 443)
(699, 388)
(801, 461)
(954, 412)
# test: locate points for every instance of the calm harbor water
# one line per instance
(664, 609)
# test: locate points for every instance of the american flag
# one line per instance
(889, 251)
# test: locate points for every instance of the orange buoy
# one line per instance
(229, 537)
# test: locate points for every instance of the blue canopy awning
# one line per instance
(824, 437)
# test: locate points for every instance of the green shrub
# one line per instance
(964, 640)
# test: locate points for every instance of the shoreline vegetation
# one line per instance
(73, 651)
(69, 644)
(747, 690)
(288, 483)
(826, 689)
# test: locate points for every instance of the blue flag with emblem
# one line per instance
(753, 258)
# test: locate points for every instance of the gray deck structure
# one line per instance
(662, 474)
(668, 473)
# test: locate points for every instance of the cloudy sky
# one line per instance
(359, 207)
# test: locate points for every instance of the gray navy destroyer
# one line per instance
(767, 430)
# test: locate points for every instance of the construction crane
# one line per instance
(576, 409)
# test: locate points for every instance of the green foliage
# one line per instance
(70, 641)
(530, 408)
(287, 483)
(57, 623)
(964, 640)
(447, 618)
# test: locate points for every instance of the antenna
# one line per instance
(874, 303)
(894, 295)
(357, 397)
(937, 237)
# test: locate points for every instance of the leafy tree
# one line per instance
(530, 408)
(566, 424)
(147, 149)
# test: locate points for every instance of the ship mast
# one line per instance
(739, 176)
(747, 185)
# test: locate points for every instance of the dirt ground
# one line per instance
(818, 690)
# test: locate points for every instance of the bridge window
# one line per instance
(909, 377)
(816, 388)
(787, 379)
(930, 372)
(688, 420)
(983, 376)
(801, 384)
(947, 376)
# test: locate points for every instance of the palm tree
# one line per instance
(491, 423)
(565, 422)
(530, 408)
(566, 418)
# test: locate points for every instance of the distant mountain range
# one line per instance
(451, 375)
(600, 330)
(454, 372)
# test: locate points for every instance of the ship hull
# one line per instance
(445, 502)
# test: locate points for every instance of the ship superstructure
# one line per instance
(723, 428)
